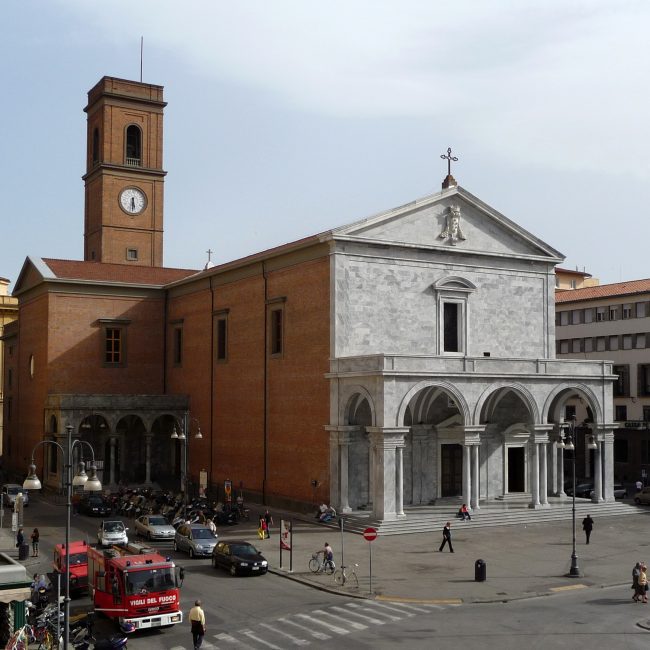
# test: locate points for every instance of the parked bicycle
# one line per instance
(347, 576)
(321, 565)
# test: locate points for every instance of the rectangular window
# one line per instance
(600, 314)
(113, 344)
(646, 413)
(222, 339)
(639, 341)
(564, 318)
(589, 345)
(622, 384)
(132, 254)
(640, 309)
(576, 345)
(620, 450)
(277, 331)
(627, 341)
(576, 315)
(569, 412)
(613, 342)
(600, 344)
(621, 413)
(613, 313)
(589, 315)
(627, 311)
(643, 374)
(564, 347)
(574, 284)
(177, 344)
(450, 333)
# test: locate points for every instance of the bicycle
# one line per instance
(321, 566)
(342, 577)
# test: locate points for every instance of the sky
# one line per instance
(286, 118)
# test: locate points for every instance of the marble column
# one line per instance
(608, 466)
(475, 478)
(598, 474)
(399, 480)
(419, 464)
(535, 486)
(147, 459)
(560, 471)
(543, 484)
(340, 439)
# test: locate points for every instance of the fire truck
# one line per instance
(134, 585)
(77, 555)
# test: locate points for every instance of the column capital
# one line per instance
(387, 437)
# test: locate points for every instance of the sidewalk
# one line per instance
(522, 561)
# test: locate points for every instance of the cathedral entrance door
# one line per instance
(451, 465)
(516, 469)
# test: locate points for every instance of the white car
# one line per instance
(154, 527)
(9, 493)
(112, 532)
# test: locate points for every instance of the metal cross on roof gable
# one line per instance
(448, 158)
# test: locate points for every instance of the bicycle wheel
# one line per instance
(339, 577)
(329, 568)
(353, 580)
(314, 565)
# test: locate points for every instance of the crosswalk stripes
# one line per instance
(324, 624)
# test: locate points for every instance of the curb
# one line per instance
(321, 587)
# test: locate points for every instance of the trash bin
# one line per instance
(480, 571)
(23, 551)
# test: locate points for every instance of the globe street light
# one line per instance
(187, 420)
(90, 484)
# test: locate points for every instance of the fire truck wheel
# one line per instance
(233, 570)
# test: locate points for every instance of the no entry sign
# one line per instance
(370, 534)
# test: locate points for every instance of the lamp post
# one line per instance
(90, 484)
(574, 571)
(184, 437)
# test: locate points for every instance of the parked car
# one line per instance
(642, 497)
(112, 531)
(9, 493)
(239, 557)
(620, 491)
(583, 490)
(154, 527)
(195, 539)
(94, 505)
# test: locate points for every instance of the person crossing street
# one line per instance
(446, 537)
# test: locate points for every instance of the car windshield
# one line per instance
(202, 533)
(95, 502)
(13, 490)
(243, 550)
(113, 527)
(148, 580)
(157, 521)
(79, 558)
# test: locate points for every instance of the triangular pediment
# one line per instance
(32, 273)
(451, 220)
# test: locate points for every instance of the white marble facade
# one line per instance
(443, 380)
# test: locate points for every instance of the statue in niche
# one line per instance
(452, 230)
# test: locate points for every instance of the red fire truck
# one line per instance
(134, 585)
(78, 558)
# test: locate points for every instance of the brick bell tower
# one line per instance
(123, 214)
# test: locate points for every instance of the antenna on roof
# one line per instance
(141, 50)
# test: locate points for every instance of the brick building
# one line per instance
(406, 357)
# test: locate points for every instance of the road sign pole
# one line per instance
(370, 535)
(341, 526)
(370, 551)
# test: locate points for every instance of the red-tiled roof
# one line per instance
(603, 291)
(102, 272)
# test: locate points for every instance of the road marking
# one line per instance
(420, 601)
(329, 626)
(295, 640)
(376, 621)
(390, 617)
(339, 619)
(231, 639)
(315, 633)
(568, 587)
(394, 609)
(258, 639)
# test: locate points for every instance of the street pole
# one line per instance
(574, 571)
(66, 599)
(186, 435)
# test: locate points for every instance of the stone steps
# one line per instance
(433, 518)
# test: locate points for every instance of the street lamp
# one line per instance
(90, 484)
(187, 421)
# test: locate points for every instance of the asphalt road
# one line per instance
(272, 612)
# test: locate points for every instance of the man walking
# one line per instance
(197, 621)
(446, 537)
(587, 526)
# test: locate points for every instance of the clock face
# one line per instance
(133, 200)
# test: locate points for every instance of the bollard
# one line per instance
(480, 571)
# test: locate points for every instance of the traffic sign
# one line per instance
(370, 534)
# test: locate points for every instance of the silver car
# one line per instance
(154, 527)
(9, 493)
(195, 539)
(112, 532)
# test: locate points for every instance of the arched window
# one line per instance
(95, 146)
(133, 146)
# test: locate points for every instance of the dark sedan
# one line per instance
(239, 558)
(94, 506)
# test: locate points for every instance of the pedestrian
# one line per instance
(269, 522)
(643, 583)
(35, 537)
(639, 485)
(212, 526)
(20, 538)
(446, 537)
(587, 526)
(464, 513)
(635, 582)
(197, 623)
(261, 531)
